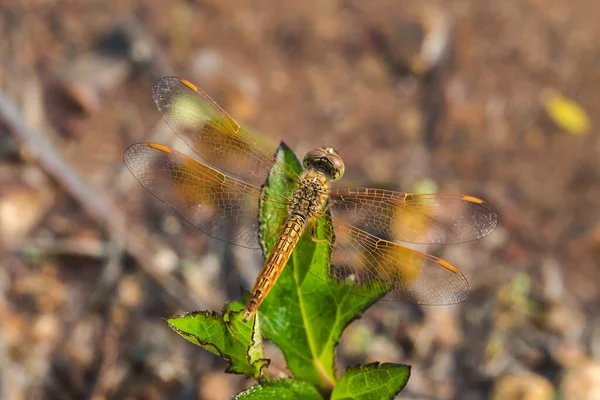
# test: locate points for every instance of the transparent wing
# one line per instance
(218, 204)
(414, 218)
(405, 274)
(211, 132)
(368, 221)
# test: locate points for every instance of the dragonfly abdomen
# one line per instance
(275, 262)
(308, 199)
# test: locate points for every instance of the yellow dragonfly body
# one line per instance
(220, 193)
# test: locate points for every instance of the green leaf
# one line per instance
(280, 389)
(372, 381)
(225, 335)
(303, 314)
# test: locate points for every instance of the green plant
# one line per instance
(303, 315)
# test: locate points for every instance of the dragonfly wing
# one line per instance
(220, 205)
(405, 274)
(210, 132)
(415, 218)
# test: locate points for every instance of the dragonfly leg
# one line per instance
(313, 232)
(313, 224)
(275, 232)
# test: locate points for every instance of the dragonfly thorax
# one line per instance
(326, 161)
(310, 197)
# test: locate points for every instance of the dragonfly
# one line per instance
(221, 191)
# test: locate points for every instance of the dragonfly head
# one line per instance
(325, 160)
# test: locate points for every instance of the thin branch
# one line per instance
(97, 206)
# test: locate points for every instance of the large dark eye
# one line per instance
(326, 160)
(337, 166)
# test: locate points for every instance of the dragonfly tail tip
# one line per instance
(247, 316)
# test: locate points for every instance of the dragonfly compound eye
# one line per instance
(325, 160)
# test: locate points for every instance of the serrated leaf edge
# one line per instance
(379, 365)
(262, 363)
(253, 387)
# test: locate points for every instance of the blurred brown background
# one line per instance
(415, 95)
